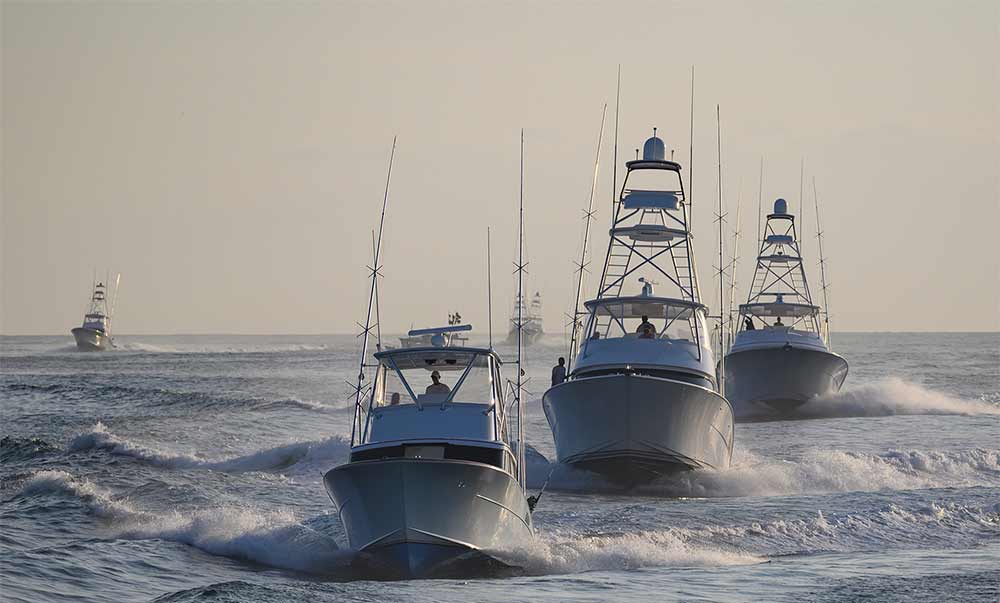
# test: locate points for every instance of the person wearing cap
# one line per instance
(646, 330)
(437, 387)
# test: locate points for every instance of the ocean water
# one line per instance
(189, 469)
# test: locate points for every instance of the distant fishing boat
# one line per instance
(780, 357)
(531, 320)
(642, 398)
(451, 338)
(95, 333)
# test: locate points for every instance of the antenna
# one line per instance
(582, 265)
(822, 268)
(802, 205)
(522, 473)
(760, 193)
(690, 191)
(489, 287)
(373, 295)
(722, 271)
(614, 173)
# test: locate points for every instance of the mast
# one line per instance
(373, 295)
(760, 193)
(114, 302)
(582, 265)
(722, 270)
(522, 473)
(822, 269)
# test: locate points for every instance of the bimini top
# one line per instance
(642, 305)
(433, 358)
(778, 309)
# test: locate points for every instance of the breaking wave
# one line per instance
(55, 482)
(892, 396)
(304, 455)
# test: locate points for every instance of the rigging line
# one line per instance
(581, 267)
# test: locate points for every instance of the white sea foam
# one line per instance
(303, 454)
(275, 538)
(569, 553)
(892, 396)
(815, 472)
(100, 501)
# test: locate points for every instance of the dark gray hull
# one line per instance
(419, 518)
(633, 429)
(91, 340)
(776, 381)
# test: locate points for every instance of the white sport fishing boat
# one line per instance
(641, 399)
(780, 357)
(531, 321)
(95, 333)
(435, 482)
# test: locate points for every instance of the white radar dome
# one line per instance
(654, 149)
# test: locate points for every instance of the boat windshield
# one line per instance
(434, 377)
(646, 319)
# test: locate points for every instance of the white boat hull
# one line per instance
(91, 340)
(417, 518)
(635, 428)
(775, 381)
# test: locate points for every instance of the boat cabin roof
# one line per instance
(642, 305)
(437, 358)
(779, 309)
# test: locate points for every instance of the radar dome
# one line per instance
(780, 207)
(654, 149)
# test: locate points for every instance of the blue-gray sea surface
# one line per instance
(189, 469)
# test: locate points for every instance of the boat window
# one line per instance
(645, 320)
(434, 377)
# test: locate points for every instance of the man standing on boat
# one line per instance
(559, 372)
(437, 387)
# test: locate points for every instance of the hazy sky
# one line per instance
(229, 158)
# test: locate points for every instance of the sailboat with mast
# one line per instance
(780, 357)
(642, 398)
(435, 482)
(95, 333)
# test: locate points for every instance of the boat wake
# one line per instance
(814, 472)
(888, 397)
(279, 539)
(294, 457)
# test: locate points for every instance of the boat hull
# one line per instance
(418, 518)
(91, 340)
(778, 380)
(633, 429)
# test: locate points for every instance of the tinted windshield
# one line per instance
(435, 377)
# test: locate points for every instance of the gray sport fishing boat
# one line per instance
(95, 333)
(780, 358)
(641, 399)
(435, 482)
